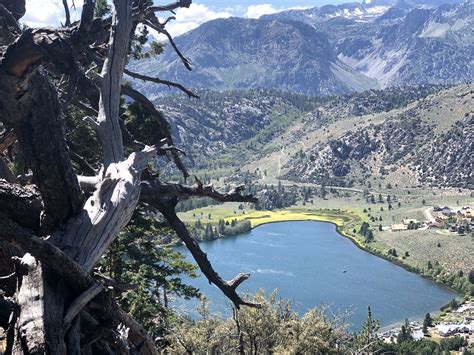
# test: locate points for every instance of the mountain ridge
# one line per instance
(402, 45)
(240, 53)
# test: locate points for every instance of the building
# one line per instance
(399, 227)
(436, 224)
(446, 211)
(466, 212)
(446, 330)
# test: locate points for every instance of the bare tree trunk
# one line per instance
(40, 298)
(165, 297)
(112, 71)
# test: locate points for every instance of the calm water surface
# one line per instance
(306, 261)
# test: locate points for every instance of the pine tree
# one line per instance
(136, 259)
(323, 191)
(101, 8)
(221, 226)
(427, 322)
(370, 237)
(405, 333)
(367, 340)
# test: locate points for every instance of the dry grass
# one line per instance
(456, 252)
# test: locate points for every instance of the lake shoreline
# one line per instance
(363, 247)
(338, 219)
(328, 248)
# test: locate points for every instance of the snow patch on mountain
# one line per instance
(440, 30)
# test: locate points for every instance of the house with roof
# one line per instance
(399, 227)
(466, 212)
(446, 211)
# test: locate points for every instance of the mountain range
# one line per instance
(332, 95)
(330, 50)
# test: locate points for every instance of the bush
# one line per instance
(454, 343)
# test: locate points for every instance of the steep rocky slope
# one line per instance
(214, 125)
(409, 43)
(449, 159)
(429, 141)
(334, 49)
(418, 135)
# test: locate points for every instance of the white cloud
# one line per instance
(45, 13)
(196, 15)
(256, 11)
(40, 13)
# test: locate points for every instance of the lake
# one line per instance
(312, 264)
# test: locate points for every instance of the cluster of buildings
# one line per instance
(463, 327)
(408, 224)
(390, 335)
(459, 220)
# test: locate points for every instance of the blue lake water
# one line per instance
(305, 261)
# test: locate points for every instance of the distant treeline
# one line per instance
(223, 229)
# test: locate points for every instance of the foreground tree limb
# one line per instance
(227, 287)
(86, 237)
(112, 71)
(73, 274)
(39, 130)
(52, 237)
(155, 191)
(163, 82)
(67, 13)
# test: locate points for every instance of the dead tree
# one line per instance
(55, 224)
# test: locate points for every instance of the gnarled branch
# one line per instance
(227, 287)
(160, 81)
(21, 204)
(67, 13)
(170, 7)
(155, 190)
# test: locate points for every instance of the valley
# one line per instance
(385, 186)
(299, 176)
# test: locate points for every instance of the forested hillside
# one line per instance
(339, 140)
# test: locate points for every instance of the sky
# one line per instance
(51, 13)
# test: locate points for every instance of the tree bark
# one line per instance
(36, 116)
(40, 298)
(112, 71)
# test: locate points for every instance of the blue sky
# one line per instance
(51, 13)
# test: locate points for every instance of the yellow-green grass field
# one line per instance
(346, 220)
(258, 218)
